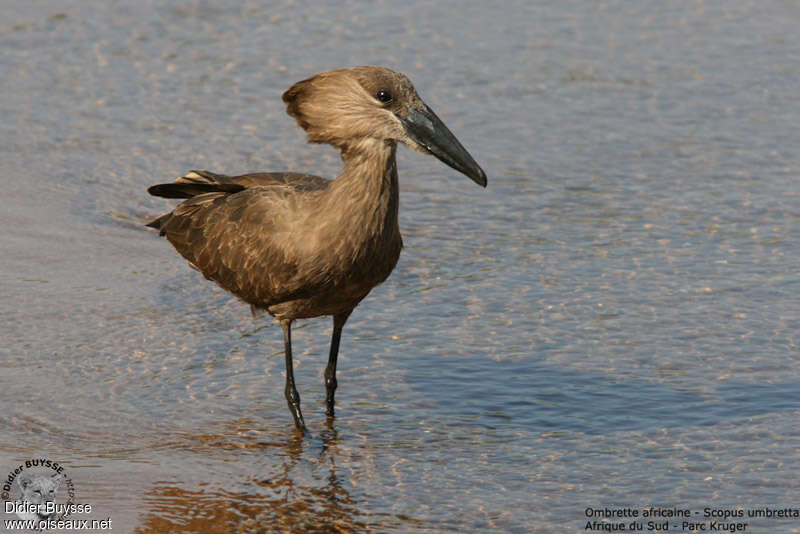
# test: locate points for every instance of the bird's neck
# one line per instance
(367, 187)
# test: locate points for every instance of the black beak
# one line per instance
(428, 131)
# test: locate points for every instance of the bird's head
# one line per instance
(354, 107)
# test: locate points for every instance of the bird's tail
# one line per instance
(159, 221)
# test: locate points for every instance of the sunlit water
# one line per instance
(613, 322)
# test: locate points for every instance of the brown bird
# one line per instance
(300, 246)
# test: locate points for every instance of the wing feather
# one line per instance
(236, 231)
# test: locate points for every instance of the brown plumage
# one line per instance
(300, 246)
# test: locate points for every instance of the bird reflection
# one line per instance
(303, 493)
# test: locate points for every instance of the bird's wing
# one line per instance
(296, 180)
(235, 230)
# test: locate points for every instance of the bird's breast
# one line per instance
(347, 272)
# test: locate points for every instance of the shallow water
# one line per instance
(613, 322)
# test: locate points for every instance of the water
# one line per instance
(613, 322)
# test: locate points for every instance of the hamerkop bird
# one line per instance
(300, 246)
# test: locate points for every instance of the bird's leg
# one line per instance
(292, 397)
(330, 370)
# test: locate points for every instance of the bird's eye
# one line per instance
(384, 96)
